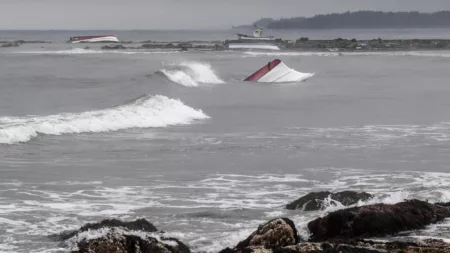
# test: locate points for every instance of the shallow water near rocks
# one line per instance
(87, 134)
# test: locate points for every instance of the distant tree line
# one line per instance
(365, 19)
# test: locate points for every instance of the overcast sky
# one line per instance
(181, 14)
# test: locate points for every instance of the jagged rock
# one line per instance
(376, 220)
(316, 200)
(114, 236)
(275, 233)
(10, 44)
(113, 47)
(137, 225)
(359, 246)
(118, 241)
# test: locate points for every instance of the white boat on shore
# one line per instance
(94, 39)
(263, 46)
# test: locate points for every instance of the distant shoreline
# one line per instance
(360, 20)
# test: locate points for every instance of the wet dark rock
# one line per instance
(138, 225)
(10, 44)
(275, 233)
(316, 200)
(120, 242)
(376, 220)
(113, 47)
(355, 246)
(114, 236)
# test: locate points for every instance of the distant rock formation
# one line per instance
(318, 200)
(113, 47)
(10, 44)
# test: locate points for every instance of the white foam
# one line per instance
(146, 112)
(191, 74)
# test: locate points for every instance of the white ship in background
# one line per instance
(255, 41)
(257, 35)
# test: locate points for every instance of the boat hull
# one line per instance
(264, 46)
(94, 39)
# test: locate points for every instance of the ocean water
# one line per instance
(179, 139)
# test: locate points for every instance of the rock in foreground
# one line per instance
(275, 233)
(376, 220)
(280, 236)
(426, 246)
(114, 236)
(319, 200)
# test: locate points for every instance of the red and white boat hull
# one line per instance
(277, 72)
(94, 39)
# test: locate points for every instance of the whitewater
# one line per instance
(205, 156)
(191, 74)
(145, 112)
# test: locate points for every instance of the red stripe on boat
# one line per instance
(262, 71)
(91, 37)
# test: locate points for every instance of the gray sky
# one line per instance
(181, 14)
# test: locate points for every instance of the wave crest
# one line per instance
(191, 74)
(144, 112)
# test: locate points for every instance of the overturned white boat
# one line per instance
(277, 72)
(94, 39)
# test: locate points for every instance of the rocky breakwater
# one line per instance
(114, 236)
(347, 230)
(371, 45)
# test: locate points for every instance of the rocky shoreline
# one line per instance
(301, 44)
(347, 230)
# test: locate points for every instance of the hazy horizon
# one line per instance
(180, 15)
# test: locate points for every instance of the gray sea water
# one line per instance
(179, 139)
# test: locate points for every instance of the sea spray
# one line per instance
(191, 74)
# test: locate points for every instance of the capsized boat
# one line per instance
(93, 39)
(276, 72)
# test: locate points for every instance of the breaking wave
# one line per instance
(144, 112)
(191, 74)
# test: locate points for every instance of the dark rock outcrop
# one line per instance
(376, 220)
(316, 200)
(10, 44)
(114, 236)
(122, 242)
(114, 47)
(137, 225)
(275, 233)
(356, 246)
